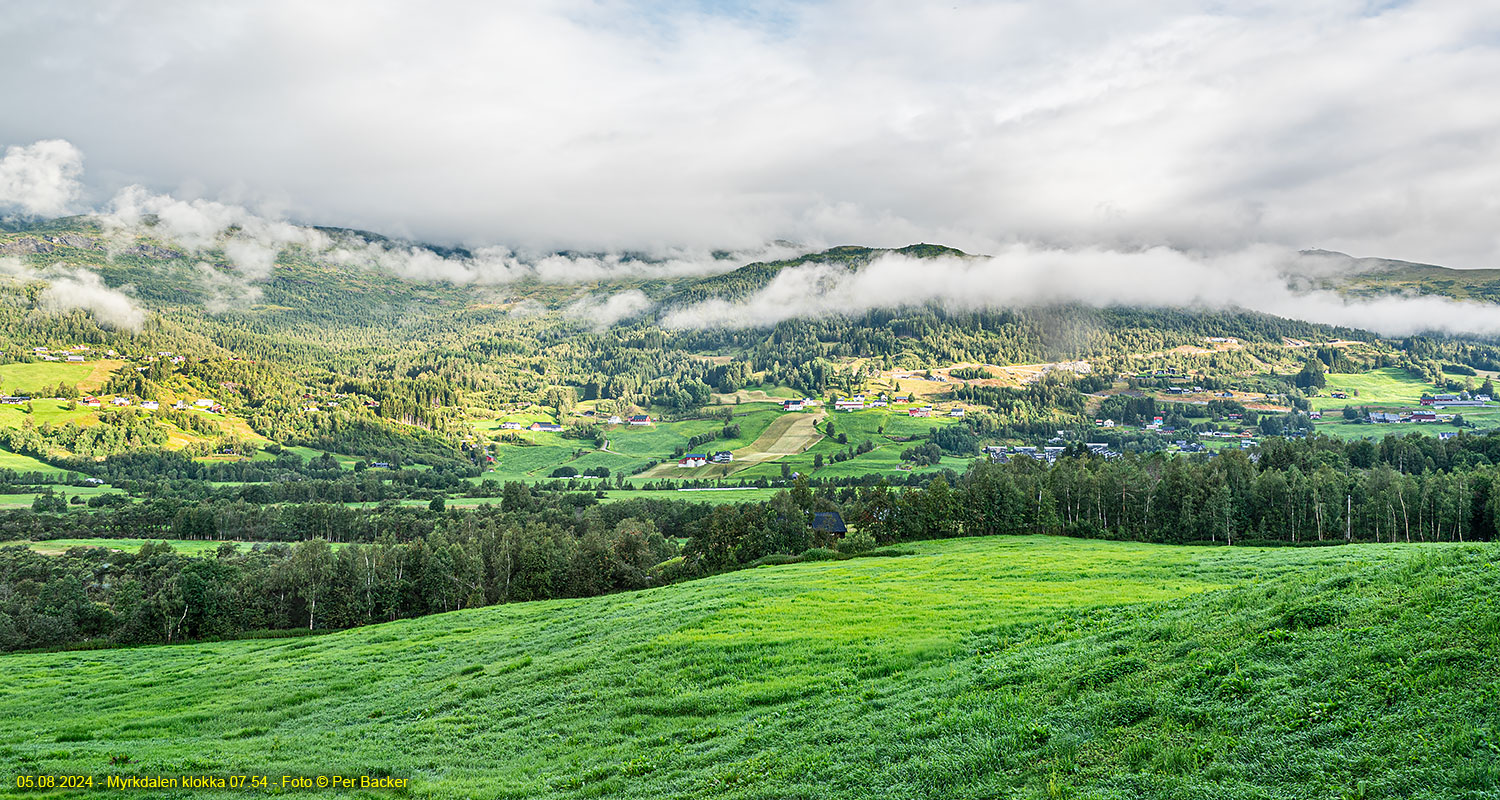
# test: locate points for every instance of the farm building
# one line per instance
(546, 426)
(693, 460)
(791, 405)
(830, 522)
(640, 419)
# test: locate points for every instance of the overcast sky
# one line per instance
(1362, 126)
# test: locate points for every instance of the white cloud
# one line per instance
(249, 240)
(1023, 276)
(1365, 127)
(40, 179)
(68, 289)
(602, 313)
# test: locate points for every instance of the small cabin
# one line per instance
(829, 522)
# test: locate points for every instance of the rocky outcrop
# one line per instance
(79, 242)
(25, 247)
(150, 251)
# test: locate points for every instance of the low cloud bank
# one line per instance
(41, 179)
(500, 265)
(44, 179)
(602, 313)
(1021, 276)
(69, 289)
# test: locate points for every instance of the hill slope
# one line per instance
(1025, 667)
(1363, 277)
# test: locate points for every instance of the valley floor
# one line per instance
(986, 667)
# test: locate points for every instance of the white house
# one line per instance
(510, 426)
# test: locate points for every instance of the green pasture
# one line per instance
(877, 425)
(1390, 386)
(42, 377)
(25, 463)
(55, 412)
(630, 446)
(192, 547)
(1006, 667)
(24, 499)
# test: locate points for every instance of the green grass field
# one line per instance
(24, 499)
(189, 546)
(42, 377)
(629, 446)
(25, 463)
(1024, 667)
(1391, 386)
(876, 425)
(1388, 388)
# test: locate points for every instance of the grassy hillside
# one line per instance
(1378, 276)
(996, 667)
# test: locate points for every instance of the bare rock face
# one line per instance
(79, 242)
(150, 251)
(25, 247)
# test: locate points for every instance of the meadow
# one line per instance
(24, 463)
(25, 498)
(989, 667)
(41, 377)
(192, 547)
(1390, 386)
(629, 447)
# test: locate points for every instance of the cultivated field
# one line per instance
(994, 667)
(789, 434)
(42, 377)
(1382, 387)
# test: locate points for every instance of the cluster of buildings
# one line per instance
(74, 355)
(692, 460)
(1407, 416)
(1446, 400)
(1003, 455)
